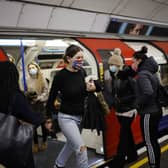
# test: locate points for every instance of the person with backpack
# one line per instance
(147, 103)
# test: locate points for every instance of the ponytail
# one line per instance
(141, 54)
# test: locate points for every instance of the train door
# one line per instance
(101, 49)
(48, 54)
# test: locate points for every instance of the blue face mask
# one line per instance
(77, 64)
(33, 71)
(113, 68)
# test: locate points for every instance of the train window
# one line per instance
(164, 74)
(49, 56)
(46, 65)
(105, 54)
(152, 50)
(88, 70)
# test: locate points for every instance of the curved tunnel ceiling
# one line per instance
(79, 15)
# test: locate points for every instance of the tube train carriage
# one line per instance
(97, 51)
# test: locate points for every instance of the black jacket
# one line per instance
(123, 90)
(147, 86)
(21, 109)
(93, 117)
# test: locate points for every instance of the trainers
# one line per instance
(35, 148)
(130, 160)
(55, 166)
(43, 146)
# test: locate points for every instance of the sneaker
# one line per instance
(130, 160)
(43, 146)
(35, 148)
(117, 162)
(55, 166)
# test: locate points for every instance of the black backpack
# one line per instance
(163, 96)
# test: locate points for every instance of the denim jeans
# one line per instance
(70, 128)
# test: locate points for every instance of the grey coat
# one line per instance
(147, 86)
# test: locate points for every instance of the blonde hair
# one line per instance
(40, 84)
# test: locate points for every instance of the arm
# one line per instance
(131, 95)
(146, 89)
(23, 111)
(44, 94)
(52, 96)
(97, 85)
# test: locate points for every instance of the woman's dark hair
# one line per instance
(141, 54)
(9, 82)
(71, 51)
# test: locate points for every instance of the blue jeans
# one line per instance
(70, 128)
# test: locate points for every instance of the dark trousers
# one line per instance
(44, 134)
(29, 164)
(126, 146)
(149, 126)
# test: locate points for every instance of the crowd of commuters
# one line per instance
(131, 88)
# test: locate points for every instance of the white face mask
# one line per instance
(113, 68)
(33, 71)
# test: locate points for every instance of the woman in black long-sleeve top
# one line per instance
(11, 94)
(70, 82)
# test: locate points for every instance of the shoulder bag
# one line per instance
(15, 140)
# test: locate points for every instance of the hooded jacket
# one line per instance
(147, 86)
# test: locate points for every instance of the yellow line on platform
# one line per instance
(145, 160)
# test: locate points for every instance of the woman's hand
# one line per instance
(57, 104)
(90, 86)
(48, 124)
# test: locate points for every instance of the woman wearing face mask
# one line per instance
(70, 82)
(150, 111)
(123, 93)
(37, 94)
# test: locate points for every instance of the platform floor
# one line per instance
(46, 159)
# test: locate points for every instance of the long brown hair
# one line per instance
(40, 84)
(71, 51)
